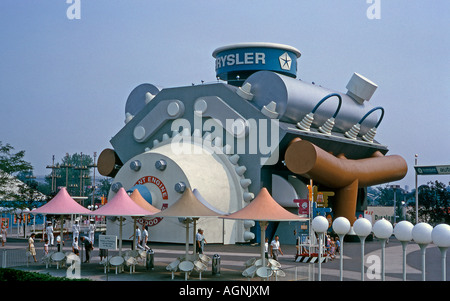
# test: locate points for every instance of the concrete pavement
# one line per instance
(233, 257)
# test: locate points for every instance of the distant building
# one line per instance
(375, 213)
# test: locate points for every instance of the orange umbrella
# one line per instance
(138, 199)
(264, 208)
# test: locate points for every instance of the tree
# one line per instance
(387, 194)
(434, 203)
(74, 173)
(11, 165)
(104, 186)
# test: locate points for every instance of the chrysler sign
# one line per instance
(252, 57)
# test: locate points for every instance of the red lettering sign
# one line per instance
(155, 181)
(152, 221)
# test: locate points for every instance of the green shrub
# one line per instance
(18, 275)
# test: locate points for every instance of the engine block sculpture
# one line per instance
(257, 126)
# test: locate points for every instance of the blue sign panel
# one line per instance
(245, 58)
(433, 170)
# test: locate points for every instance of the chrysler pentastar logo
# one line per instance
(285, 61)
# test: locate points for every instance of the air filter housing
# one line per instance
(235, 63)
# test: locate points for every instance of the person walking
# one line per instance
(137, 235)
(31, 247)
(88, 247)
(3, 234)
(76, 230)
(75, 248)
(338, 246)
(275, 248)
(92, 231)
(49, 231)
(59, 243)
(145, 238)
(266, 248)
(46, 247)
(201, 241)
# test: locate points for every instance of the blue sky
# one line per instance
(64, 83)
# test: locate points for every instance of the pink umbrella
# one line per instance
(61, 204)
(121, 205)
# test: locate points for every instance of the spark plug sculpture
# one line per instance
(262, 128)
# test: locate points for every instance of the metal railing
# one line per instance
(11, 258)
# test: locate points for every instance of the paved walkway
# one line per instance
(233, 257)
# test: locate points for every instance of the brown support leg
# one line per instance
(345, 204)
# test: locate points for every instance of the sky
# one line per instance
(66, 70)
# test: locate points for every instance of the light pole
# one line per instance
(382, 230)
(320, 226)
(403, 232)
(93, 184)
(54, 176)
(341, 226)
(394, 187)
(67, 165)
(417, 191)
(421, 234)
(362, 227)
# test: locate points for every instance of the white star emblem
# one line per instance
(285, 61)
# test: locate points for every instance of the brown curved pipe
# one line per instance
(304, 158)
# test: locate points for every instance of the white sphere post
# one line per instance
(362, 227)
(441, 238)
(383, 230)
(319, 277)
(421, 234)
(403, 232)
(320, 226)
(341, 226)
(443, 262)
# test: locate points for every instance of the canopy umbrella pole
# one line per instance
(263, 225)
(134, 244)
(194, 236)
(43, 225)
(120, 236)
(187, 238)
(62, 231)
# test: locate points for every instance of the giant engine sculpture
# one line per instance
(257, 126)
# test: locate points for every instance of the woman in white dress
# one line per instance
(31, 248)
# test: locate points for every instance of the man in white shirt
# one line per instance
(49, 231)
(92, 230)
(201, 241)
(76, 230)
(137, 238)
(275, 248)
(145, 238)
